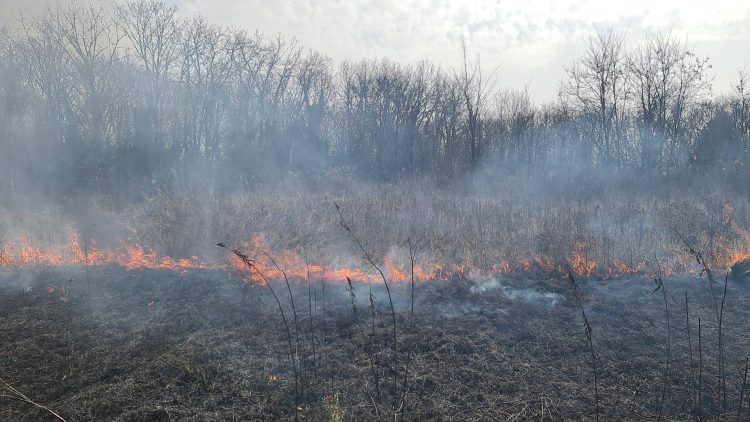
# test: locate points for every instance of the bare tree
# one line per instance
(474, 89)
(69, 55)
(668, 81)
(138, 91)
(309, 105)
(90, 43)
(739, 105)
(445, 127)
(154, 32)
(597, 87)
(514, 120)
(205, 68)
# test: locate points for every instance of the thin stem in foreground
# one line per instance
(346, 227)
(589, 338)
(17, 395)
(700, 372)
(660, 286)
(722, 368)
(251, 265)
(690, 352)
(742, 392)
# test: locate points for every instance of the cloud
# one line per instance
(12, 10)
(530, 40)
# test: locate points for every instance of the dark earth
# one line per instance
(203, 345)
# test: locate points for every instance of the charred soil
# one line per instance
(196, 345)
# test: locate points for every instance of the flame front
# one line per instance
(24, 253)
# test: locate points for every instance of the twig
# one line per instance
(355, 312)
(660, 286)
(326, 369)
(251, 265)
(412, 257)
(374, 362)
(291, 300)
(312, 329)
(86, 264)
(17, 395)
(700, 372)
(722, 368)
(690, 351)
(346, 227)
(706, 269)
(289, 288)
(742, 392)
(719, 314)
(589, 338)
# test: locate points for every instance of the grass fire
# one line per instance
(359, 219)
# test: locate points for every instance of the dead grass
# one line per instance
(452, 228)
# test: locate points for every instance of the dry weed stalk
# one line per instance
(719, 317)
(346, 227)
(722, 368)
(660, 286)
(690, 352)
(251, 265)
(355, 312)
(412, 259)
(17, 395)
(294, 309)
(326, 369)
(312, 325)
(375, 364)
(589, 339)
(742, 392)
(700, 372)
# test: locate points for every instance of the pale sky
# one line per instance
(529, 41)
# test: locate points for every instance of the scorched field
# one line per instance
(337, 327)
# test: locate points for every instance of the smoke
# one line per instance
(242, 134)
(531, 296)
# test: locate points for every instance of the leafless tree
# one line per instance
(668, 81)
(475, 89)
(154, 33)
(514, 121)
(739, 105)
(597, 87)
(137, 95)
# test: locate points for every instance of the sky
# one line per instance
(527, 43)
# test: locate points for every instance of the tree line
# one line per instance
(136, 98)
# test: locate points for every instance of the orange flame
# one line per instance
(25, 253)
(130, 258)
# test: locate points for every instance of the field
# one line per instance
(150, 345)
(331, 211)
(137, 315)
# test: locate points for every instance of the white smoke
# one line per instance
(527, 295)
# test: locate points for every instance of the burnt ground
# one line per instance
(194, 346)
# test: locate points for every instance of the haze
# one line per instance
(530, 42)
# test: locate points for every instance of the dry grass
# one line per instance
(452, 228)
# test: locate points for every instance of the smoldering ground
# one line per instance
(206, 344)
(115, 165)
